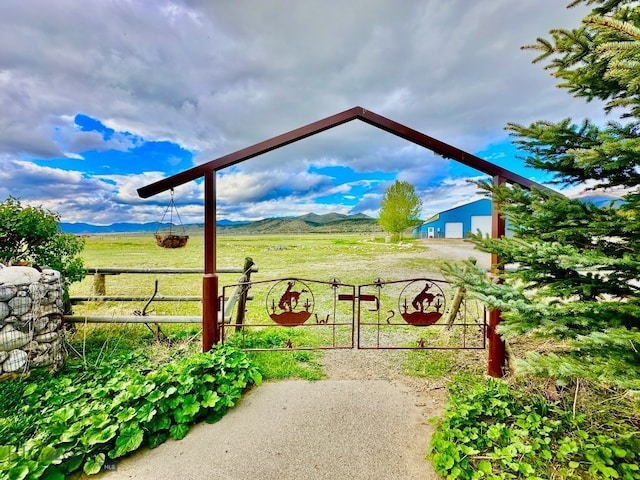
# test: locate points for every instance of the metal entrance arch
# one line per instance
(210, 283)
(302, 314)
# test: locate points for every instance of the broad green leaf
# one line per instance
(6, 452)
(63, 415)
(129, 439)
(179, 431)
(146, 412)
(157, 439)
(94, 436)
(619, 452)
(72, 433)
(126, 414)
(19, 472)
(170, 391)
(52, 473)
(160, 422)
(51, 455)
(485, 467)
(209, 399)
(188, 410)
(72, 464)
(256, 376)
(94, 464)
(30, 389)
(155, 396)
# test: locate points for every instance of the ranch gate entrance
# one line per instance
(210, 284)
(419, 313)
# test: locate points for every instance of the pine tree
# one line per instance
(578, 265)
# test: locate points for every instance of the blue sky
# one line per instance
(104, 97)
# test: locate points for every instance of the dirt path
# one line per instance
(365, 421)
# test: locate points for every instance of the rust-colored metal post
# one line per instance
(210, 329)
(497, 347)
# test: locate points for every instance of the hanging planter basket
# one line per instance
(176, 236)
(171, 241)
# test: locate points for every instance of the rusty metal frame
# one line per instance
(210, 287)
(330, 321)
(378, 325)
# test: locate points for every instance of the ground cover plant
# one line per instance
(526, 429)
(56, 425)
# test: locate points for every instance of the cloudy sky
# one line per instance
(101, 97)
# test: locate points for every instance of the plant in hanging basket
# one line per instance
(171, 241)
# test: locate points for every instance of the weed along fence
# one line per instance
(101, 295)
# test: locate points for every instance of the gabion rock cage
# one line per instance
(31, 317)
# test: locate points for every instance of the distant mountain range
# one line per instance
(309, 223)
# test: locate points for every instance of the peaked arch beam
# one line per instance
(355, 113)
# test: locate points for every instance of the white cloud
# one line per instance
(215, 77)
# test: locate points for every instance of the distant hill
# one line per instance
(309, 223)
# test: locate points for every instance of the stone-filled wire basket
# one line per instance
(31, 317)
(176, 235)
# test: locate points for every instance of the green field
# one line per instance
(353, 259)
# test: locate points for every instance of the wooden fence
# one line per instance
(238, 297)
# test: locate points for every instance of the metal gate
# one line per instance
(295, 313)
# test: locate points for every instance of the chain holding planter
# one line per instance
(176, 236)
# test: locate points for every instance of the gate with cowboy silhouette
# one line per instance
(295, 313)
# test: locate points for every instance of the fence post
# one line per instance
(99, 284)
(242, 301)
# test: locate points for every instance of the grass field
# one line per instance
(350, 258)
(353, 259)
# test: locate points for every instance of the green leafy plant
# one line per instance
(87, 417)
(399, 208)
(495, 430)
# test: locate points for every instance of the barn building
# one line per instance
(458, 222)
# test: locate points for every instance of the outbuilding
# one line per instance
(458, 222)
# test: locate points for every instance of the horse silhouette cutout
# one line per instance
(425, 295)
(289, 299)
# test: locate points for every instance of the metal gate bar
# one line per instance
(303, 315)
(418, 314)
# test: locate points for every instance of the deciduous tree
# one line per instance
(32, 235)
(399, 208)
